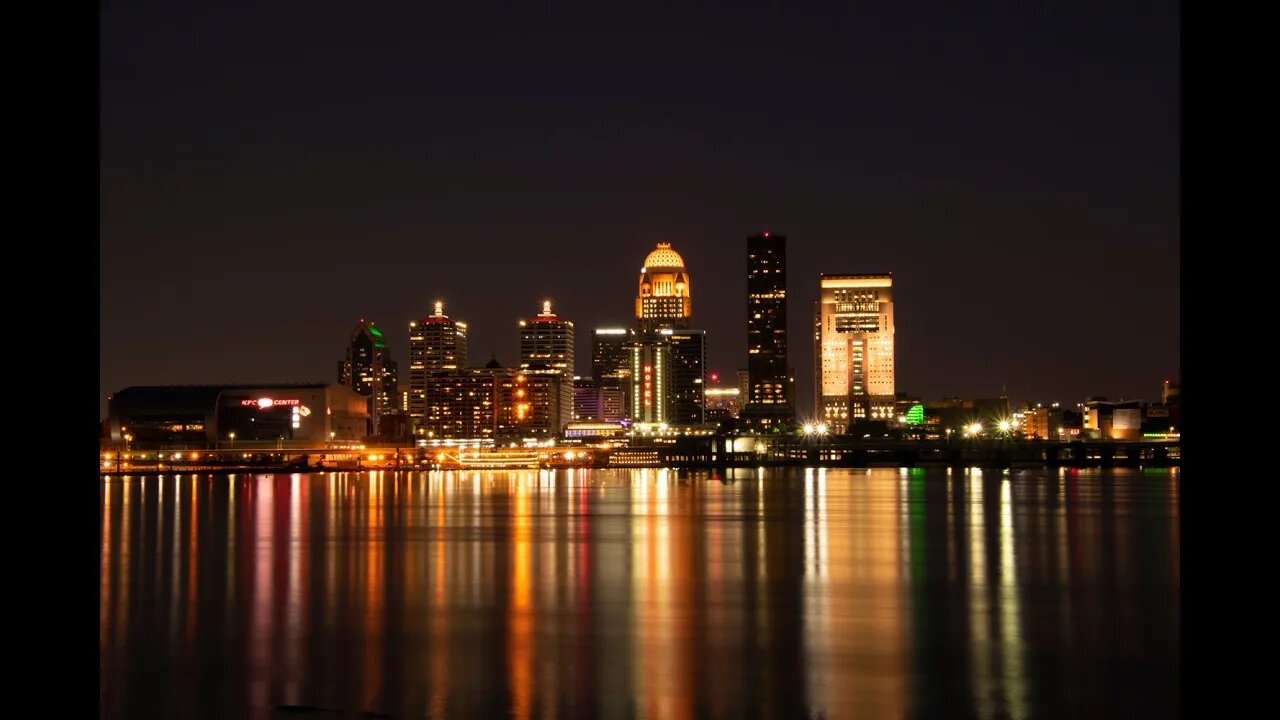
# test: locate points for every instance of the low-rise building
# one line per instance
(310, 413)
(598, 401)
(1112, 420)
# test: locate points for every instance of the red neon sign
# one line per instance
(264, 403)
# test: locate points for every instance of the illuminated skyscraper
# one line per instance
(370, 371)
(546, 348)
(768, 402)
(665, 297)
(436, 343)
(853, 349)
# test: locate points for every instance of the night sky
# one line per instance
(271, 175)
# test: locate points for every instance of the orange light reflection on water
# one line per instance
(626, 593)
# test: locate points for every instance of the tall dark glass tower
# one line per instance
(370, 371)
(688, 376)
(610, 359)
(768, 403)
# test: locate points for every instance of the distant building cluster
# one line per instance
(648, 379)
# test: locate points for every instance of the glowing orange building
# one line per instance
(665, 297)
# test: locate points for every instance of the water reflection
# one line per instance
(646, 593)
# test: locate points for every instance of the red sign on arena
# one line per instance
(264, 403)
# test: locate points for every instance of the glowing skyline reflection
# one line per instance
(645, 593)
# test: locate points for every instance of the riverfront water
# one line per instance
(844, 593)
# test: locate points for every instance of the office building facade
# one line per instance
(610, 359)
(854, 349)
(768, 404)
(491, 405)
(437, 343)
(547, 348)
(688, 349)
(593, 401)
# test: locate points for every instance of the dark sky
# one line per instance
(271, 175)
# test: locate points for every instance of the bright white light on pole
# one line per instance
(822, 428)
(808, 428)
(1005, 426)
(975, 428)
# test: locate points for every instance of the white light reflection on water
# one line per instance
(122, 572)
(979, 609)
(175, 566)
(951, 529)
(1014, 684)
(232, 529)
(193, 566)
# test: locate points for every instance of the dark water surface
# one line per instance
(642, 593)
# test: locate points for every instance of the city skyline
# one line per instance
(409, 408)
(804, 396)
(1023, 166)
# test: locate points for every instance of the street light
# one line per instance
(822, 428)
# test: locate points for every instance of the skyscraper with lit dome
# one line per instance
(665, 296)
(668, 360)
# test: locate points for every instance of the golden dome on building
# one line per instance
(664, 257)
(664, 298)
